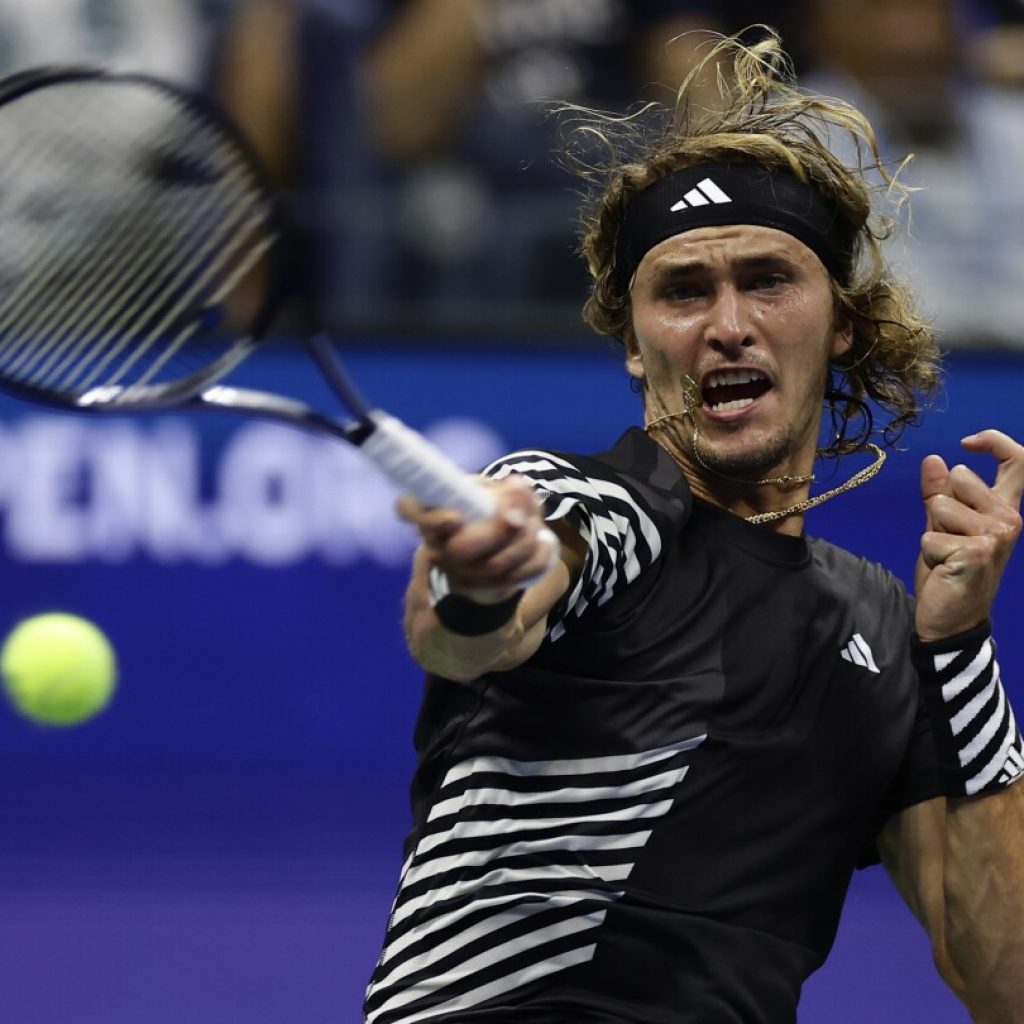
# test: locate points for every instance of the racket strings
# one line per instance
(83, 308)
(175, 290)
(41, 322)
(104, 284)
(55, 151)
(146, 299)
(171, 344)
(139, 318)
(35, 256)
(155, 230)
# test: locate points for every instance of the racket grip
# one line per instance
(420, 469)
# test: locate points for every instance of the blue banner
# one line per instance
(255, 758)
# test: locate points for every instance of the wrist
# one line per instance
(976, 736)
(485, 595)
(475, 612)
(975, 636)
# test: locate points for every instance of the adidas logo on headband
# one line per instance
(757, 195)
(702, 194)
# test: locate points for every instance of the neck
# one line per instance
(783, 512)
(775, 501)
(762, 501)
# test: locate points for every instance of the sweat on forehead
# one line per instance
(716, 194)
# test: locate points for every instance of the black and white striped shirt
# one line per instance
(655, 818)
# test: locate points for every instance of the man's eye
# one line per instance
(766, 282)
(679, 291)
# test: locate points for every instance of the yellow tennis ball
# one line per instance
(58, 669)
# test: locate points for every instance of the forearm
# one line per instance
(959, 860)
(422, 75)
(983, 890)
(958, 864)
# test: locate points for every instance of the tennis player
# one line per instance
(649, 767)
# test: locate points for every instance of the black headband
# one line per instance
(713, 194)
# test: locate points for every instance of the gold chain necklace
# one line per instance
(860, 477)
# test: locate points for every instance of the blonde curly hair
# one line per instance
(759, 115)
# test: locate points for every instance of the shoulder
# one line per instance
(635, 478)
(841, 562)
(858, 579)
(625, 503)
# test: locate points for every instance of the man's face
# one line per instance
(747, 313)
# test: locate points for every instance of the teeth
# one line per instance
(739, 403)
(724, 377)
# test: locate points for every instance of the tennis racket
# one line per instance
(142, 258)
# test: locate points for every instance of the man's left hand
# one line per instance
(971, 529)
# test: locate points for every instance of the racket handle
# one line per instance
(420, 469)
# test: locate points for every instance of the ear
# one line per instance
(634, 360)
(842, 337)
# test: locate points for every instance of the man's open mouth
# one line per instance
(729, 390)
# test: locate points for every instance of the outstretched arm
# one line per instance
(959, 862)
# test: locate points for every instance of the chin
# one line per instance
(754, 460)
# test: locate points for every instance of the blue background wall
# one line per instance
(221, 845)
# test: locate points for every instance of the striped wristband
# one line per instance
(979, 744)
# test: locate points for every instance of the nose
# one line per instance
(728, 328)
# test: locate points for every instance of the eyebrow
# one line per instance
(682, 266)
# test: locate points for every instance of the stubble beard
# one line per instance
(751, 462)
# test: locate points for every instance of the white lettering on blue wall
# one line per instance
(74, 489)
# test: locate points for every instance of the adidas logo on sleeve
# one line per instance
(704, 193)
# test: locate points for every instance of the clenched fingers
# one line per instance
(511, 548)
(958, 553)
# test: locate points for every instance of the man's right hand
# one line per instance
(488, 560)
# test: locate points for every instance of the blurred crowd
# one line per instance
(415, 141)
